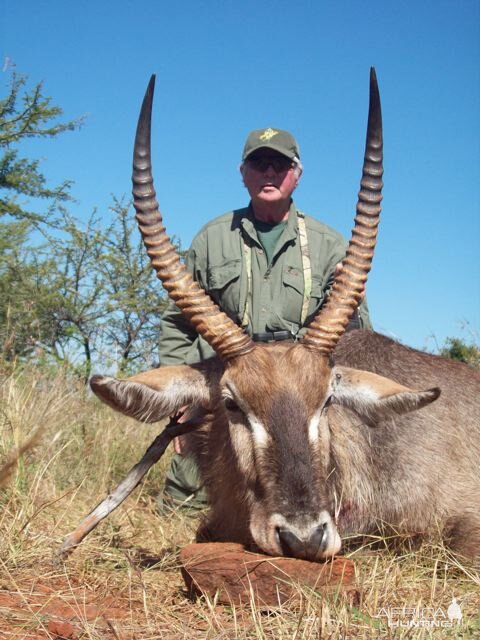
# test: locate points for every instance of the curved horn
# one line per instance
(330, 323)
(223, 335)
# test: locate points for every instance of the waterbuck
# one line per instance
(337, 434)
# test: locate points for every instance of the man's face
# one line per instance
(269, 176)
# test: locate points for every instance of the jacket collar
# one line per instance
(290, 233)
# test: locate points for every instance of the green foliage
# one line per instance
(75, 308)
(458, 349)
(85, 294)
(27, 113)
(134, 298)
(24, 288)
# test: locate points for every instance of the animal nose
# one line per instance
(306, 548)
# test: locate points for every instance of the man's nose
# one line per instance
(269, 170)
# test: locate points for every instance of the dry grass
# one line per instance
(124, 582)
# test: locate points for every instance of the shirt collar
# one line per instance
(290, 232)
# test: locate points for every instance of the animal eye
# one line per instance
(231, 405)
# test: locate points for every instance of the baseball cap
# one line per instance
(276, 139)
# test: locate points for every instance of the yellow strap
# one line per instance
(307, 267)
(247, 251)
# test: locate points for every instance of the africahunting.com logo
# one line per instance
(424, 617)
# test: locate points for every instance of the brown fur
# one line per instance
(416, 472)
(276, 455)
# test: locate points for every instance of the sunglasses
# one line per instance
(278, 163)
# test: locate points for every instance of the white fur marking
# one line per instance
(260, 435)
(313, 427)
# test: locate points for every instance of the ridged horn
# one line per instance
(223, 335)
(330, 323)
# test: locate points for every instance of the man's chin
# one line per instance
(270, 195)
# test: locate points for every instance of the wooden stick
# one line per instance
(125, 488)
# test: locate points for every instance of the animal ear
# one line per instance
(155, 394)
(374, 396)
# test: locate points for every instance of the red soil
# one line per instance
(57, 608)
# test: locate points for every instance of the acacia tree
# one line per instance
(20, 286)
(85, 291)
(109, 302)
(87, 295)
(27, 113)
(76, 311)
(51, 296)
(135, 298)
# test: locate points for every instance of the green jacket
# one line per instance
(216, 260)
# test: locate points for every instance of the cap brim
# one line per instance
(291, 155)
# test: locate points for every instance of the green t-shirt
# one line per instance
(269, 233)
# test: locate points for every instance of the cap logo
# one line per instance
(268, 134)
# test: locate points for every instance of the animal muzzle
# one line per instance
(318, 540)
(304, 537)
(299, 547)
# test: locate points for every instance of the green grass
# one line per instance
(128, 567)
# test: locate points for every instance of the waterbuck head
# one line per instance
(269, 430)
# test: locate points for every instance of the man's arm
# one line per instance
(177, 336)
(363, 316)
(360, 318)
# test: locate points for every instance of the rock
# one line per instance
(236, 576)
(61, 630)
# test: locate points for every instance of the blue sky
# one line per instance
(224, 68)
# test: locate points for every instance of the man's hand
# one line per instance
(182, 415)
